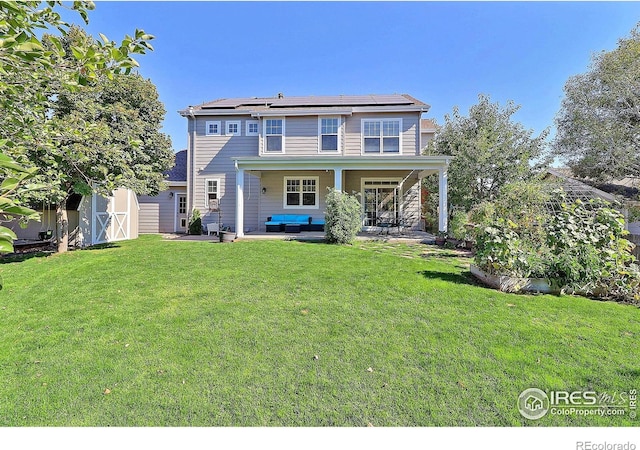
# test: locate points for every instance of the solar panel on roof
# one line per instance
(342, 100)
(235, 102)
(320, 100)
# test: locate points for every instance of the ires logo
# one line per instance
(534, 403)
(576, 398)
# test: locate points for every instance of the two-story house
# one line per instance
(256, 157)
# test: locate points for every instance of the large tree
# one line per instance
(599, 121)
(14, 179)
(490, 150)
(41, 73)
(107, 135)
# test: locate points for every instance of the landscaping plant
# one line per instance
(590, 252)
(342, 218)
(581, 248)
(457, 225)
(195, 222)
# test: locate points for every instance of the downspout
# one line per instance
(190, 164)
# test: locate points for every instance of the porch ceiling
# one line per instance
(343, 162)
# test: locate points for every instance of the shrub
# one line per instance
(581, 248)
(522, 202)
(590, 252)
(195, 222)
(457, 225)
(499, 250)
(342, 218)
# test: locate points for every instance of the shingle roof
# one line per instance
(427, 125)
(625, 187)
(313, 100)
(179, 171)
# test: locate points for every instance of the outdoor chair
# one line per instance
(213, 228)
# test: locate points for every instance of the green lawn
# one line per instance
(164, 333)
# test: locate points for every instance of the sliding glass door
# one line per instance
(381, 202)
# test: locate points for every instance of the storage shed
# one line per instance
(92, 219)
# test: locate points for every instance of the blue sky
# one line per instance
(443, 53)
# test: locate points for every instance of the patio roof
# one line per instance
(339, 164)
(343, 162)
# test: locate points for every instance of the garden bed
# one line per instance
(513, 284)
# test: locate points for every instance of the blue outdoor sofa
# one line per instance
(293, 223)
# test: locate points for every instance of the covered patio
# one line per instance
(413, 237)
(350, 174)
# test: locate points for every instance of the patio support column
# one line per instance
(239, 202)
(442, 191)
(337, 179)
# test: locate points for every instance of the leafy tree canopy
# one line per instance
(490, 150)
(106, 136)
(599, 120)
(36, 73)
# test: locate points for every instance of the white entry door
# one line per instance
(181, 213)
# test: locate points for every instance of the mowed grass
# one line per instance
(270, 333)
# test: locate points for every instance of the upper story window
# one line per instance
(233, 128)
(381, 135)
(274, 135)
(212, 128)
(329, 128)
(252, 127)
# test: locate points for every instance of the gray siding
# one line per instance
(301, 136)
(410, 130)
(213, 161)
(158, 213)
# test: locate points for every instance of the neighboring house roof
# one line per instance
(179, 171)
(282, 103)
(625, 188)
(578, 189)
(428, 126)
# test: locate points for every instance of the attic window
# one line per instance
(212, 128)
(252, 127)
(233, 128)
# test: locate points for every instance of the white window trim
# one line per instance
(232, 122)
(252, 122)
(379, 182)
(206, 191)
(332, 152)
(381, 120)
(302, 177)
(212, 122)
(264, 136)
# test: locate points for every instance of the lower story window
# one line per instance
(211, 193)
(301, 192)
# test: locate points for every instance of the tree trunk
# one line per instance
(62, 226)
